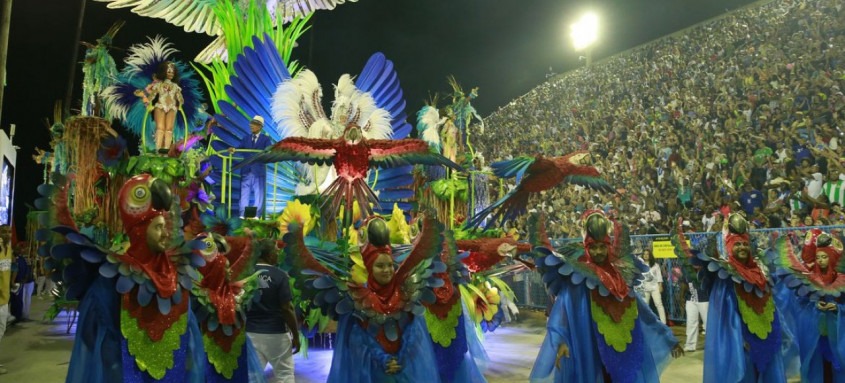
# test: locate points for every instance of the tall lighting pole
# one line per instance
(71, 76)
(5, 21)
(584, 33)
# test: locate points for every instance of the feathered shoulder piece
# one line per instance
(707, 248)
(722, 267)
(571, 264)
(804, 281)
(537, 235)
(630, 267)
(81, 250)
(442, 315)
(564, 266)
(334, 292)
(452, 259)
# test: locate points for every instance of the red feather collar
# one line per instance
(220, 292)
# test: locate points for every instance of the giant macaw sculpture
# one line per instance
(291, 107)
(542, 174)
(352, 155)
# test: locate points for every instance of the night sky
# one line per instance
(503, 47)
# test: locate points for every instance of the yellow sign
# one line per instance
(662, 248)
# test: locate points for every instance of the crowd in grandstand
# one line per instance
(744, 112)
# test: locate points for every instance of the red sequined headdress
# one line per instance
(375, 238)
(735, 230)
(598, 228)
(818, 241)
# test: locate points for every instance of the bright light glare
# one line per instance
(585, 31)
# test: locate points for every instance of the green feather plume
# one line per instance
(616, 335)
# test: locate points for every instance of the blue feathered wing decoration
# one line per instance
(141, 65)
(258, 71)
(619, 336)
(331, 290)
(263, 86)
(379, 79)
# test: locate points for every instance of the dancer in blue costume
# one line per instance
(459, 354)
(817, 302)
(598, 329)
(381, 332)
(744, 332)
(222, 296)
(135, 322)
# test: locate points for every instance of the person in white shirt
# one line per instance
(696, 290)
(814, 183)
(708, 220)
(652, 285)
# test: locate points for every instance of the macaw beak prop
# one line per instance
(580, 159)
(162, 198)
(506, 250)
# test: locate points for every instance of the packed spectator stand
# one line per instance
(743, 112)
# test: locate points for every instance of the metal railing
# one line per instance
(530, 292)
(271, 202)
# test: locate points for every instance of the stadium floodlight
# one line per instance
(584, 33)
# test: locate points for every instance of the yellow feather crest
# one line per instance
(297, 212)
(400, 231)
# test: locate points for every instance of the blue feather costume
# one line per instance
(609, 338)
(135, 323)
(805, 290)
(745, 338)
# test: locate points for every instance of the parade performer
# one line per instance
(599, 330)
(152, 82)
(223, 298)
(381, 331)
(744, 331)
(540, 174)
(164, 96)
(100, 71)
(817, 304)
(458, 351)
(460, 114)
(135, 322)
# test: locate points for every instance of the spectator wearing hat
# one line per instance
(254, 176)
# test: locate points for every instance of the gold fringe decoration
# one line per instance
(82, 138)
